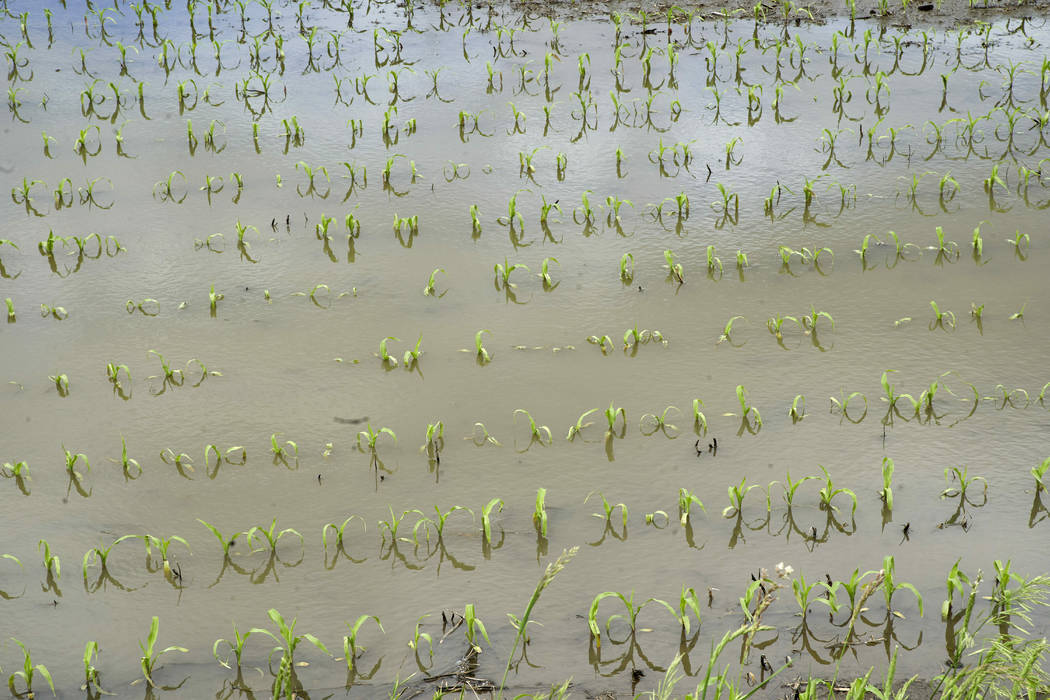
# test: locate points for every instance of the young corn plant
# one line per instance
(367, 439)
(269, 537)
(544, 274)
(72, 459)
(52, 564)
(798, 409)
(578, 427)
(339, 532)
(941, 319)
(961, 475)
(503, 272)
(828, 493)
(100, 555)
(496, 504)
(163, 544)
(891, 586)
(747, 411)
(607, 510)
(429, 290)
(611, 415)
(809, 323)
(537, 433)
(481, 353)
(473, 626)
(674, 269)
(627, 268)
(234, 649)
(539, 515)
(886, 494)
(92, 678)
(728, 330)
(351, 649)
(736, 498)
(385, 357)
(650, 423)
(699, 419)
(29, 670)
(1042, 482)
(213, 300)
(150, 655)
(280, 450)
(686, 500)
(287, 643)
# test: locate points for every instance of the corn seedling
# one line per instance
(798, 409)
(385, 357)
(539, 515)
(71, 463)
(810, 322)
(630, 618)
(607, 510)
(52, 564)
(611, 414)
(713, 261)
(61, 382)
(503, 272)
(486, 520)
(544, 274)
(1039, 472)
(747, 412)
(886, 494)
(269, 537)
(480, 436)
(890, 586)
(674, 269)
(736, 498)
(627, 268)
(728, 329)
(279, 449)
(892, 397)
(965, 482)
(287, 642)
(945, 319)
(418, 636)
(686, 500)
(537, 433)
(92, 679)
(338, 532)
(473, 626)
(59, 313)
(429, 290)
(578, 427)
(213, 299)
(351, 649)
(29, 670)
(234, 647)
(775, 324)
(649, 423)
(480, 352)
(828, 493)
(150, 656)
(371, 437)
(1019, 314)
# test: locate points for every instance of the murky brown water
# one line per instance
(291, 366)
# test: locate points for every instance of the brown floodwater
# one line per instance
(279, 361)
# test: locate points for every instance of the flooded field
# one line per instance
(363, 314)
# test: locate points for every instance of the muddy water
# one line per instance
(291, 366)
